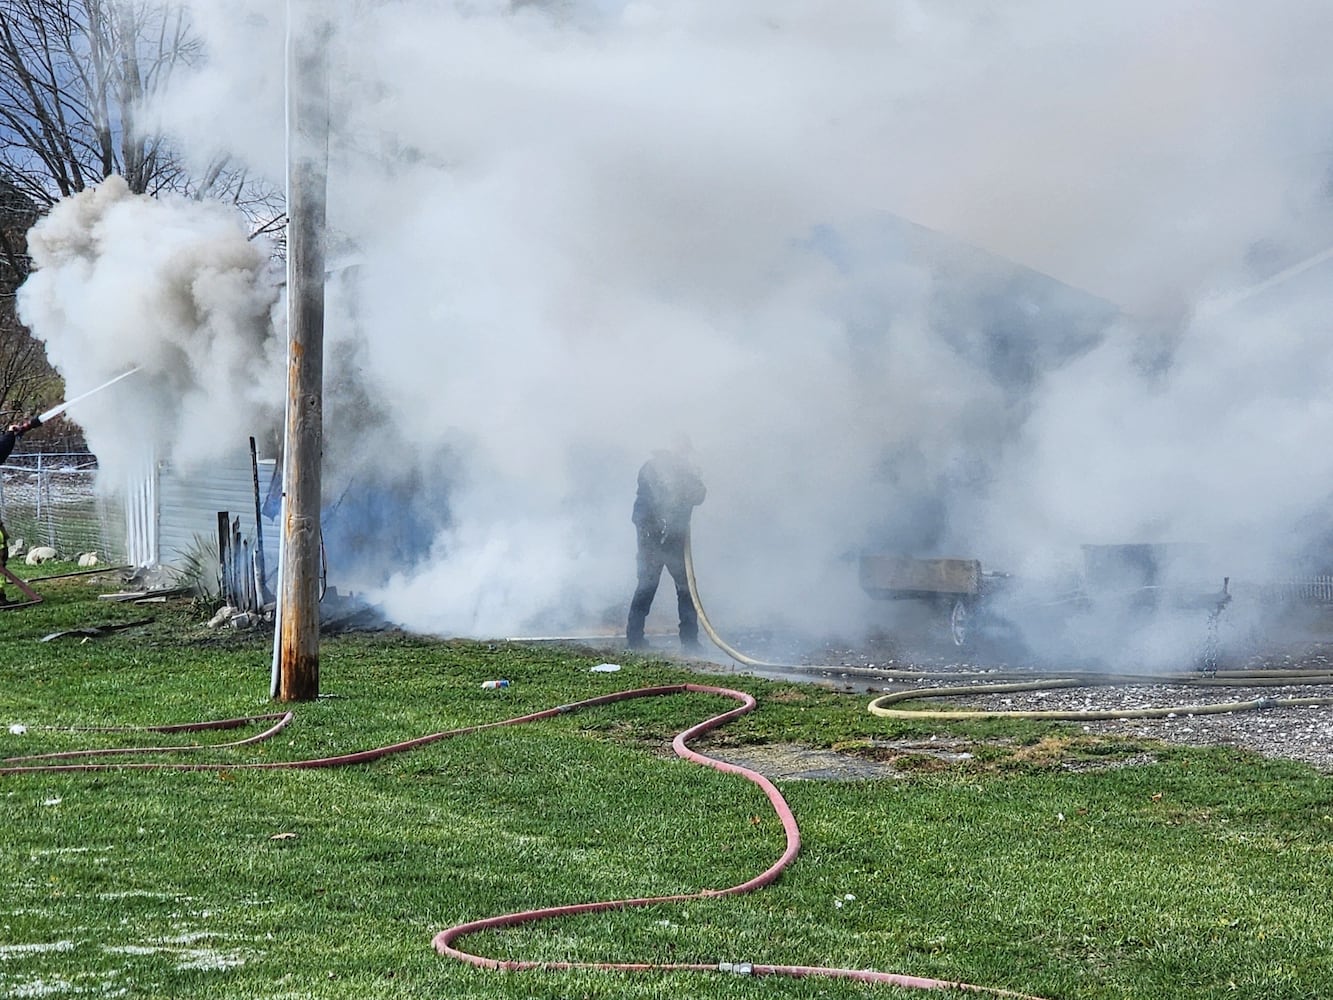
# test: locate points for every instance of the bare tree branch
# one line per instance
(75, 78)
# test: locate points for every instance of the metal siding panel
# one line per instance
(140, 498)
(189, 504)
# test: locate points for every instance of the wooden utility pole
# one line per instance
(296, 674)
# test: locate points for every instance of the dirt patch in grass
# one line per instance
(791, 762)
(859, 760)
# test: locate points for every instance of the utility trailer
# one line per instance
(1125, 584)
(1155, 576)
(952, 590)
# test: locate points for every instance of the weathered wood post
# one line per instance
(297, 668)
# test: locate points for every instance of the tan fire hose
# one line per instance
(750, 661)
(879, 705)
(1000, 684)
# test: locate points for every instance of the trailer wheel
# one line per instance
(960, 623)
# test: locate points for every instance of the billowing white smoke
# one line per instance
(172, 286)
(583, 226)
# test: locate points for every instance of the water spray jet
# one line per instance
(60, 408)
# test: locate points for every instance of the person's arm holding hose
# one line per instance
(13, 432)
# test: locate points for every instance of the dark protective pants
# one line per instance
(654, 553)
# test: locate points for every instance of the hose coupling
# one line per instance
(738, 968)
(1266, 703)
(564, 709)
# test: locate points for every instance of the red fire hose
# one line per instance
(445, 941)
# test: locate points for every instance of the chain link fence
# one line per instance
(50, 499)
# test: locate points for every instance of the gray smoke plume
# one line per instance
(173, 286)
(946, 280)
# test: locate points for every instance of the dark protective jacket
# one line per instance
(669, 490)
(7, 441)
(9, 437)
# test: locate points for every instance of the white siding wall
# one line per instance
(188, 505)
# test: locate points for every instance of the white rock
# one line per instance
(224, 615)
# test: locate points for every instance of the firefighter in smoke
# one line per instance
(7, 441)
(669, 490)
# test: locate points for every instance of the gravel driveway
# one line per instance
(1305, 734)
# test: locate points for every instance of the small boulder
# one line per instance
(40, 554)
(88, 559)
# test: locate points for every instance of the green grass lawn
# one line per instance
(1206, 873)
